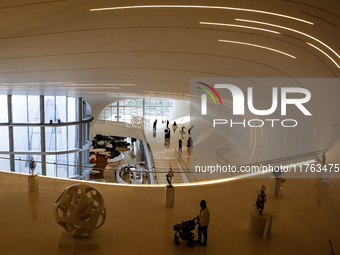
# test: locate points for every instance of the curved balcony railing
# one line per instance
(151, 164)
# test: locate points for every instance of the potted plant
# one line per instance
(33, 184)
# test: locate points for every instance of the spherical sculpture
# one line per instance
(80, 209)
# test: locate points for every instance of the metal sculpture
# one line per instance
(169, 177)
(261, 199)
(190, 129)
(32, 166)
(80, 209)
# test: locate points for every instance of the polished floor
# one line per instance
(165, 149)
(138, 222)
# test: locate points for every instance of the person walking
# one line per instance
(180, 145)
(155, 124)
(203, 218)
(323, 159)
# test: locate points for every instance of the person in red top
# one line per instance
(204, 219)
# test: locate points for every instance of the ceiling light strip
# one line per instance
(239, 26)
(95, 84)
(202, 7)
(73, 87)
(293, 30)
(324, 54)
(258, 46)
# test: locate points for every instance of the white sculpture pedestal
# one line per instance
(33, 183)
(169, 196)
(275, 187)
(66, 241)
(325, 176)
(260, 225)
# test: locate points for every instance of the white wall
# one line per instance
(180, 108)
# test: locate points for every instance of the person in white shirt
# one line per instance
(204, 219)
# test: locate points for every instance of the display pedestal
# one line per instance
(275, 187)
(260, 225)
(325, 176)
(189, 142)
(33, 183)
(169, 196)
(92, 242)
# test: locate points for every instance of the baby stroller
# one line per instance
(183, 231)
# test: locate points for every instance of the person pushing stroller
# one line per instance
(203, 218)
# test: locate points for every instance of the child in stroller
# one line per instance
(183, 231)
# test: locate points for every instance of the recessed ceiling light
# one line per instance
(290, 29)
(324, 54)
(258, 46)
(239, 26)
(202, 7)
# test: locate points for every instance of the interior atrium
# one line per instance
(127, 100)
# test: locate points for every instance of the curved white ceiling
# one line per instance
(61, 47)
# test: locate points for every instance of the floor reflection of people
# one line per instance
(189, 151)
(33, 200)
(182, 136)
(167, 142)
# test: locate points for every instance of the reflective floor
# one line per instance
(139, 223)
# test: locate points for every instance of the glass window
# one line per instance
(108, 113)
(50, 138)
(21, 163)
(127, 117)
(71, 109)
(121, 114)
(61, 138)
(34, 139)
(4, 139)
(20, 138)
(153, 109)
(50, 166)
(5, 164)
(33, 109)
(62, 166)
(72, 137)
(61, 108)
(101, 116)
(3, 109)
(19, 109)
(114, 113)
(72, 161)
(140, 111)
(49, 108)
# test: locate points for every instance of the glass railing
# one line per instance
(184, 167)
